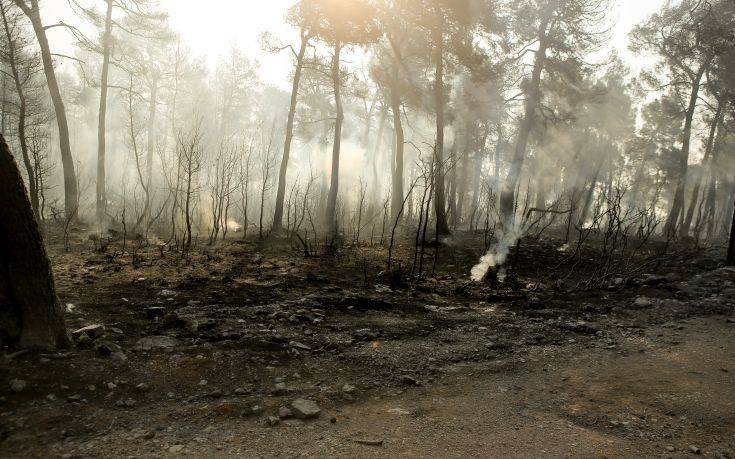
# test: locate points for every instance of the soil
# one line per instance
(546, 365)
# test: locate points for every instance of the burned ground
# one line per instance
(198, 356)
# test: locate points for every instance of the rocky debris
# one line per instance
(155, 342)
(284, 412)
(143, 387)
(107, 348)
(410, 381)
(272, 421)
(241, 391)
(348, 389)
(119, 357)
(17, 385)
(128, 403)
(92, 331)
(175, 320)
(369, 442)
(305, 409)
(166, 293)
(656, 279)
(366, 303)
(366, 334)
(280, 389)
(175, 449)
(253, 410)
(581, 326)
(84, 341)
(155, 312)
(642, 302)
(299, 345)
(74, 398)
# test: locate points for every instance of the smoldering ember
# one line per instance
(367, 228)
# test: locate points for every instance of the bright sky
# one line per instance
(211, 27)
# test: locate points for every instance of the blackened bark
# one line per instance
(397, 197)
(281, 192)
(442, 226)
(533, 97)
(331, 212)
(684, 230)
(30, 313)
(102, 116)
(678, 203)
(731, 246)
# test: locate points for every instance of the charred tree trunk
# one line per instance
(101, 192)
(67, 161)
(684, 230)
(397, 169)
(731, 246)
(710, 206)
(442, 227)
(281, 191)
(30, 313)
(331, 211)
(533, 97)
(149, 156)
(678, 204)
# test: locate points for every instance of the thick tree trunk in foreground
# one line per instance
(67, 161)
(102, 117)
(281, 192)
(30, 312)
(331, 213)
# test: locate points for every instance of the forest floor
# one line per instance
(221, 356)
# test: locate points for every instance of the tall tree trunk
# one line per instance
(678, 203)
(331, 211)
(22, 110)
(710, 206)
(101, 194)
(149, 158)
(684, 230)
(30, 313)
(462, 184)
(281, 191)
(397, 169)
(533, 97)
(442, 227)
(67, 161)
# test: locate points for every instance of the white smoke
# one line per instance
(497, 254)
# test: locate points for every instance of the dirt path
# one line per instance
(672, 388)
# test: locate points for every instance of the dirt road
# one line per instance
(670, 393)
